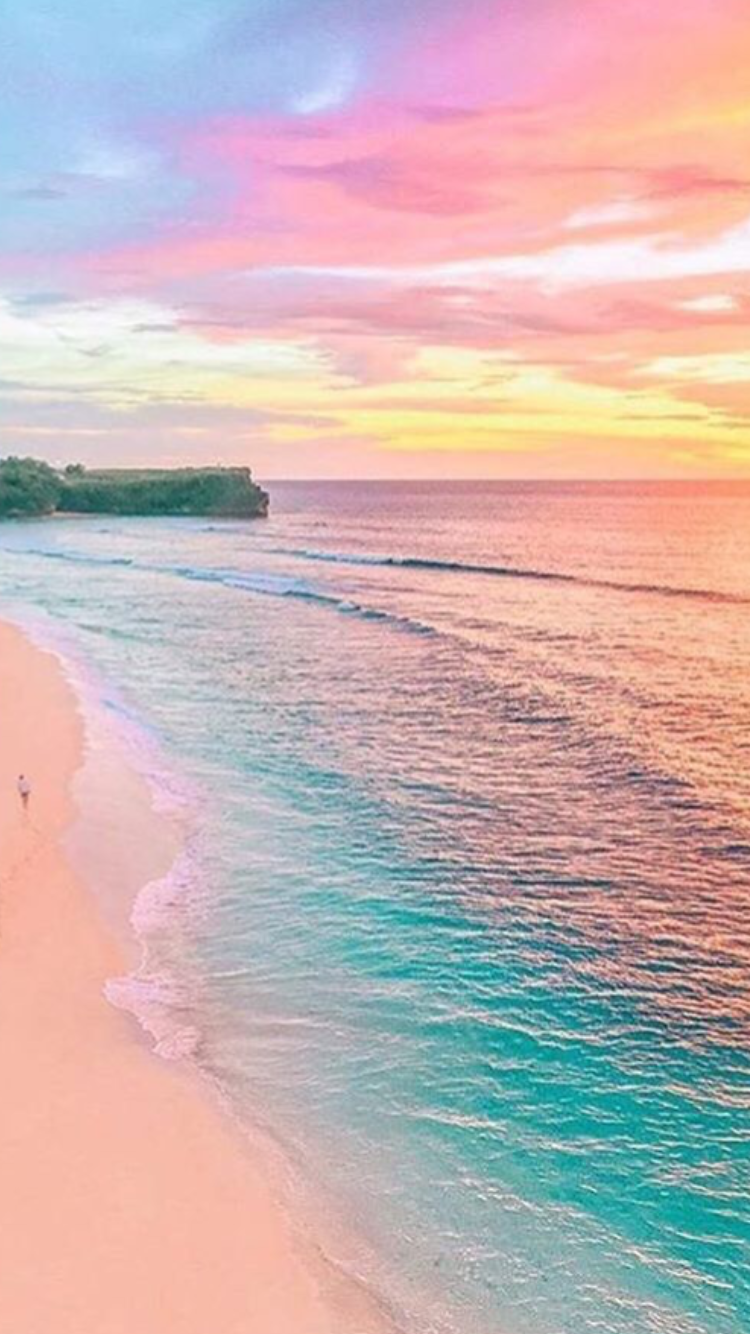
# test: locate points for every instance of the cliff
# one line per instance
(29, 488)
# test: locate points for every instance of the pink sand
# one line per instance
(129, 1204)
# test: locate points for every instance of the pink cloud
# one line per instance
(501, 132)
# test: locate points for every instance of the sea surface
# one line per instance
(467, 924)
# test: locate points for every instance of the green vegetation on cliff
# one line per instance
(29, 488)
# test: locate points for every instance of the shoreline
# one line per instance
(131, 1201)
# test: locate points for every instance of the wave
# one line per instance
(277, 586)
(265, 583)
(510, 572)
(274, 585)
(268, 585)
(78, 558)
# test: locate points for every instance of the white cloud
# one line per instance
(604, 215)
(709, 304)
(332, 89)
(708, 368)
(658, 258)
(104, 348)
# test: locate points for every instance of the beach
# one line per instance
(130, 1203)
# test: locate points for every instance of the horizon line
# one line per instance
(512, 481)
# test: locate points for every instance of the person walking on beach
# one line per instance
(24, 790)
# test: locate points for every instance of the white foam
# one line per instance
(155, 992)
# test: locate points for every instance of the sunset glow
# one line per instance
(331, 239)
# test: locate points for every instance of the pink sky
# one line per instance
(506, 239)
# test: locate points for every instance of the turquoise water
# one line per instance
(468, 927)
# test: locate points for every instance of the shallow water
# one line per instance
(469, 928)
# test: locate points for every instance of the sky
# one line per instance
(377, 238)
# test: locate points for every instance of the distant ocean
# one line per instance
(467, 921)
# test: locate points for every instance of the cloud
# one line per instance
(609, 214)
(681, 181)
(377, 222)
(333, 85)
(399, 187)
(711, 304)
(38, 300)
(655, 258)
(713, 368)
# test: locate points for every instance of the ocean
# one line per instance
(464, 924)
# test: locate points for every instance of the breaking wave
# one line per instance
(509, 572)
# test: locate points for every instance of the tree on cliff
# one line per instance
(32, 489)
(27, 488)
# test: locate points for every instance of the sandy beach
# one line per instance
(129, 1202)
